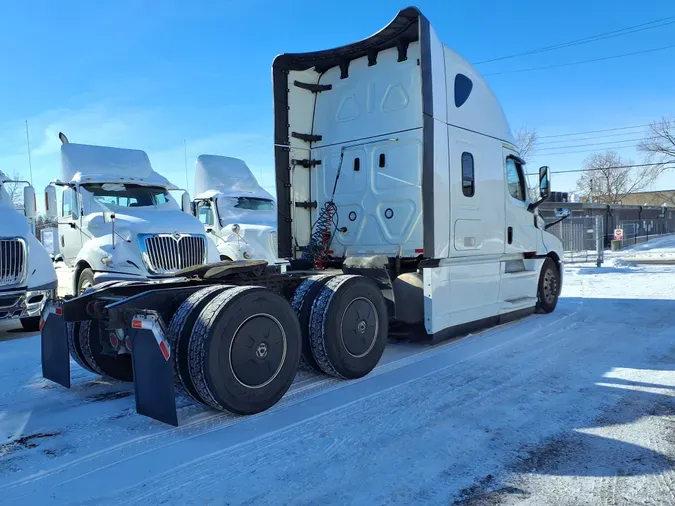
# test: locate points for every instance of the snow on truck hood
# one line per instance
(12, 222)
(156, 220)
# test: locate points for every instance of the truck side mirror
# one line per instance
(186, 203)
(29, 204)
(50, 201)
(544, 183)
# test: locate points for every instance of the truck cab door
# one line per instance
(521, 232)
(206, 213)
(70, 234)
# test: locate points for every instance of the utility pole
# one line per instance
(590, 197)
(186, 171)
(30, 165)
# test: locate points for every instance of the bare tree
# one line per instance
(660, 145)
(607, 178)
(526, 141)
(15, 190)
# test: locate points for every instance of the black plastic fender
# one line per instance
(153, 369)
(55, 354)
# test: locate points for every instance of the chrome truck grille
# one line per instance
(12, 261)
(168, 253)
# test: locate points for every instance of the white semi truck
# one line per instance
(27, 276)
(118, 220)
(401, 198)
(237, 213)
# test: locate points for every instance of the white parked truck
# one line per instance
(401, 198)
(27, 275)
(118, 220)
(237, 213)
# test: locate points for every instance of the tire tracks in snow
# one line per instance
(141, 446)
(256, 449)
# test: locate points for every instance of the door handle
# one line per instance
(509, 234)
(63, 241)
(72, 225)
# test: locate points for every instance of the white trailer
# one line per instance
(27, 276)
(237, 213)
(401, 198)
(118, 221)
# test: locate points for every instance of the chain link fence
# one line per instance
(639, 231)
(582, 238)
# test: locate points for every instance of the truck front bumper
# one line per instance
(24, 303)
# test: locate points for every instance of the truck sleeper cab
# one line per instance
(118, 220)
(237, 213)
(27, 276)
(399, 200)
(400, 141)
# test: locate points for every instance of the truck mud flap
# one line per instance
(54, 346)
(153, 369)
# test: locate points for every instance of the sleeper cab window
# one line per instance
(463, 87)
(514, 178)
(468, 180)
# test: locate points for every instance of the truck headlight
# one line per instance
(107, 261)
(246, 255)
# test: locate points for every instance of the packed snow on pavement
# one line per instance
(575, 407)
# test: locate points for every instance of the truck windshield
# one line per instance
(128, 195)
(251, 204)
(258, 210)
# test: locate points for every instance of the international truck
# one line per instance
(401, 198)
(237, 213)
(27, 275)
(118, 220)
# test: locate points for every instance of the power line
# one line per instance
(608, 148)
(597, 143)
(605, 168)
(592, 38)
(589, 138)
(568, 64)
(593, 131)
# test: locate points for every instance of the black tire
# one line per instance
(117, 367)
(85, 280)
(302, 301)
(244, 350)
(548, 290)
(73, 333)
(31, 324)
(107, 284)
(349, 326)
(178, 335)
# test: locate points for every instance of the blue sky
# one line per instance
(148, 74)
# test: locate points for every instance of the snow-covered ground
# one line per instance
(660, 250)
(575, 407)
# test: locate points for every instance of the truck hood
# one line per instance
(13, 223)
(154, 220)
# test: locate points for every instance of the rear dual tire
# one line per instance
(239, 351)
(344, 324)
(179, 334)
(85, 346)
(118, 367)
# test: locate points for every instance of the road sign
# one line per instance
(618, 234)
